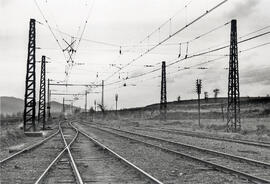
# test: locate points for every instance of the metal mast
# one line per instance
(163, 93)
(42, 93)
(30, 83)
(233, 109)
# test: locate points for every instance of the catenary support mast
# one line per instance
(233, 108)
(42, 94)
(163, 93)
(30, 82)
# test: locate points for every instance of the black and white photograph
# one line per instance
(135, 92)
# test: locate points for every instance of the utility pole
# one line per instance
(49, 100)
(233, 108)
(42, 94)
(85, 108)
(95, 103)
(64, 106)
(30, 83)
(72, 107)
(102, 97)
(222, 111)
(198, 90)
(163, 93)
(206, 96)
(116, 100)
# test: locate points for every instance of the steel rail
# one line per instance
(73, 164)
(200, 135)
(42, 176)
(118, 156)
(216, 166)
(29, 148)
(252, 161)
(241, 141)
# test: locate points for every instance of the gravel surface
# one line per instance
(22, 142)
(61, 172)
(167, 167)
(259, 171)
(249, 151)
(98, 166)
(26, 168)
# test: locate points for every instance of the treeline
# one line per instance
(11, 117)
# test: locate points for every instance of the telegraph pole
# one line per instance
(95, 103)
(102, 97)
(163, 93)
(233, 108)
(42, 94)
(85, 108)
(30, 83)
(222, 111)
(49, 100)
(198, 90)
(116, 100)
(64, 106)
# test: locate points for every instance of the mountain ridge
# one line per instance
(13, 105)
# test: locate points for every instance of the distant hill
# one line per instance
(12, 105)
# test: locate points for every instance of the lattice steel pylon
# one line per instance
(30, 83)
(42, 94)
(233, 108)
(163, 93)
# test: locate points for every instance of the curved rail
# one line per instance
(73, 164)
(29, 148)
(42, 176)
(216, 166)
(118, 156)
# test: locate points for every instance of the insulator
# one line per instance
(179, 55)
(120, 51)
(186, 51)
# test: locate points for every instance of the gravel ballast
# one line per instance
(167, 167)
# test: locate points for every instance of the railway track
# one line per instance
(90, 153)
(86, 160)
(252, 170)
(200, 135)
(262, 144)
(25, 165)
(29, 148)
(63, 168)
(55, 160)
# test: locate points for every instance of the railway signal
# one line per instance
(216, 92)
(199, 90)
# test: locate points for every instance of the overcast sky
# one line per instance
(125, 23)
